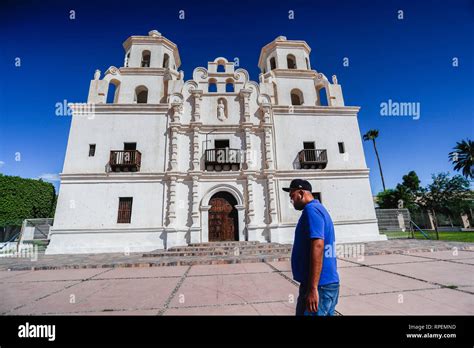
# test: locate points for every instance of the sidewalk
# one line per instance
(439, 282)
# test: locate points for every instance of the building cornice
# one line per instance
(322, 173)
(213, 176)
(293, 73)
(220, 128)
(148, 71)
(128, 109)
(336, 222)
(163, 108)
(126, 228)
(318, 110)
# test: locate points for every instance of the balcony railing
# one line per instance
(223, 159)
(125, 160)
(313, 158)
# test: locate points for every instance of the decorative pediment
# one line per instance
(113, 71)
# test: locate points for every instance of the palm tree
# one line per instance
(463, 158)
(372, 134)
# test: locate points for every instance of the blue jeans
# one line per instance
(328, 296)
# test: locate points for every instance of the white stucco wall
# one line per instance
(170, 195)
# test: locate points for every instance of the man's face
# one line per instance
(296, 197)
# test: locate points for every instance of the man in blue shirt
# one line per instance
(313, 259)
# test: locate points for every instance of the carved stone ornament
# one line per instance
(221, 110)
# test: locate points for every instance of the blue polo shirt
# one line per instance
(314, 222)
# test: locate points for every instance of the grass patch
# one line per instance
(458, 236)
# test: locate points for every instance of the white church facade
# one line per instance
(164, 162)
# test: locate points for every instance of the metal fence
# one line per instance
(393, 219)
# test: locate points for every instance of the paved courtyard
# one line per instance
(425, 283)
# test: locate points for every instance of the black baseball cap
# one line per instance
(298, 184)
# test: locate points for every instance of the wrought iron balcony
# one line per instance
(125, 160)
(313, 158)
(223, 159)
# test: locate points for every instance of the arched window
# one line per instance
(220, 67)
(166, 61)
(164, 96)
(272, 63)
(112, 93)
(307, 63)
(323, 98)
(229, 86)
(296, 97)
(141, 95)
(127, 59)
(146, 57)
(212, 86)
(291, 61)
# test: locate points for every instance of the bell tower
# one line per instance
(152, 51)
(150, 69)
(287, 76)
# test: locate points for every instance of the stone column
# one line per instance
(172, 201)
(241, 218)
(196, 160)
(248, 148)
(205, 223)
(250, 202)
(431, 220)
(174, 148)
(245, 97)
(195, 203)
(272, 212)
(174, 130)
(197, 95)
(177, 111)
(268, 139)
(465, 221)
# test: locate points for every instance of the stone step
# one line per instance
(207, 253)
(231, 260)
(242, 251)
(260, 251)
(184, 253)
(229, 247)
(167, 261)
(227, 243)
(193, 260)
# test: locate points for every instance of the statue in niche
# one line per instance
(221, 110)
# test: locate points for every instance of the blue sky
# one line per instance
(408, 60)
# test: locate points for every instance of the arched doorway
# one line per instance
(223, 218)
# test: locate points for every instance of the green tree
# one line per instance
(445, 195)
(411, 182)
(463, 158)
(407, 192)
(22, 198)
(388, 199)
(372, 134)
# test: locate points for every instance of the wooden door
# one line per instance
(221, 224)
